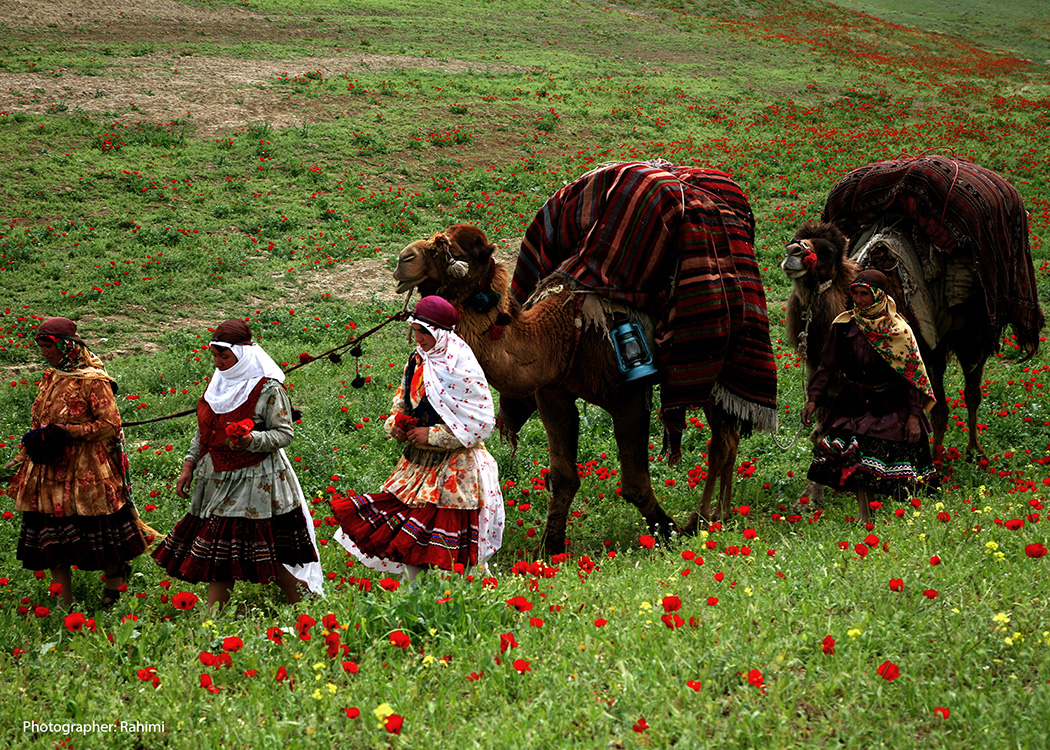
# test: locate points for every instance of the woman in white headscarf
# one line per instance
(442, 506)
(248, 519)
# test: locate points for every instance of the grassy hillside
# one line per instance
(165, 165)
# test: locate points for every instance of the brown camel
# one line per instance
(556, 351)
(821, 290)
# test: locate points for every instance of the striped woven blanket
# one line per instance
(677, 244)
(961, 207)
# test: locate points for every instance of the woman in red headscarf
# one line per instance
(71, 483)
(248, 519)
(877, 433)
(442, 506)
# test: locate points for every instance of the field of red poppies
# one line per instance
(166, 165)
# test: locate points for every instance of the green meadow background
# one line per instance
(166, 165)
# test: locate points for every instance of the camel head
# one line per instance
(452, 264)
(816, 251)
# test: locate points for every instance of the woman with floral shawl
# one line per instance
(248, 519)
(71, 483)
(877, 433)
(442, 506)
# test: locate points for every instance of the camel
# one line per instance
(555, 352)
(952, 238)
(821, 291)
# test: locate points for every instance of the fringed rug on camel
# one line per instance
(964, 208)
(677, 244)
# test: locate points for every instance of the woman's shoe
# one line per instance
(111, 596)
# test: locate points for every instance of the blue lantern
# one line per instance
(632, 352)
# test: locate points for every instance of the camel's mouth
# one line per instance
(793, 267)
(407, 284)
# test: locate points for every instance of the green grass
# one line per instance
(149, 225)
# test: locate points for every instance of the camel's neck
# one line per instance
(515, 348)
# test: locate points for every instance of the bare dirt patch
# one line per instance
(216, 93)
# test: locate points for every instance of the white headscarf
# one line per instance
(230, 388)
(456, 385)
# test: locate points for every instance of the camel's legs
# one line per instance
(631, 429)
(721, 458)
(936, 363)
(972, 363)
(561, 420)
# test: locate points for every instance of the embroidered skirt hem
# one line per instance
(846, 462)
(426, 536)
(89, 542)
(222, 548)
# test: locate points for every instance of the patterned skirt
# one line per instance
(221, 548)
(89, 542)
(847, 462)
(426, 536)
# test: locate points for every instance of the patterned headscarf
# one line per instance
(77, 360)
(889, 333)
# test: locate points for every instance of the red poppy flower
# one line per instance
(519, 603)
(930, 593)
(206, 683)
(389, 584)
(672, 621)
(42, 612)
(303, 625)
(275, 635)
(75, 622)
(251, 672)
(646, 541)
(522, 666)
(889, 671)
(755, 678)
(671, 603)
(149, 674)
(535, 622)
(282, 674)
(185, 600)
(400, 639)
(941, 712)
(828, 645)
(352, 712)
(600, 622)
(1035, 551)
(393, 723)
(329, 622)
(861, 550)
(712, 601)
(896, 584)
(232, 643)
(935, 560)
(1014, 524)
(640, 725)
(871, 540)
(688, 555)
(944, 517)
(55, 589)
(720, 577)
(240, 429)
(694, 684)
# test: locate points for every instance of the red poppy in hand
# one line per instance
(240, 429)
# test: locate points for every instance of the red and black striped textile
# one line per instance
(962, 207)
(677, 244)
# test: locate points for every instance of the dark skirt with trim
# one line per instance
(221, 548)
(425, 536)
(89, 542)
(847, 462)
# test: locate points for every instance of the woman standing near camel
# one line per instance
(442, 506)
(72, 480)
(248, 518)
(876, 439)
